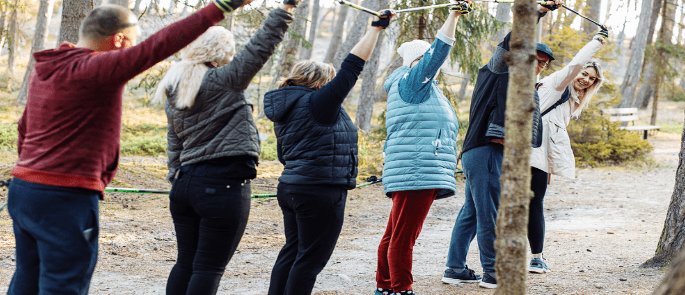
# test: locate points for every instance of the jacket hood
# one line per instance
(51, 60)
(280, 102)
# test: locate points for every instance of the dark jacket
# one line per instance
(220, 122)
(316, 149)
(489, 102)
(70, 130)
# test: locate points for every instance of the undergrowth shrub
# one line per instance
(268, 146)
(8, 136)
(144, 145)
(370, 155)
(596, 141)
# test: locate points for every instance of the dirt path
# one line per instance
(600, 227)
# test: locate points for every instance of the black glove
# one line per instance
(291, 2)
(384, 21)
(462, 8)
(228, 5)
(603, 33)
(550, 7)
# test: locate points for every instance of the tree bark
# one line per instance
(593, 8)
(124, 3)
(672, 240)
(3, 16)
(73, 12)
(339, 29)
(462, 88)
(654, 16)
(306, 53)
(136, 7)
(679, 39)
(503, 14)
(653, 73)
(380, 94)
(44, 13)
(512, 216)
(12, 42)
(369, 76)
(361, 22)
(632, 77)
(674, 280)
(292, 46)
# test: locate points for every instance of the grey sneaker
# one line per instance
(537, 265)
(489, 281)
(381, 291)
(457, 278)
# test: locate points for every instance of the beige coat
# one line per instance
(555, 156)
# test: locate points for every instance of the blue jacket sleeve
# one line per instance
(326, 102)
(415, 86)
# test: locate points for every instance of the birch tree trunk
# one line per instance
(369, 76)
(672, 239)
(652, 74)
(12, 43)
(512, 216)
(593, 8)
(339, 29)
(361, 22)
(291, 47)
(73, 12)
(44, 13)
(306, 53)
(632, 77)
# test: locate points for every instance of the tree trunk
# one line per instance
(655, 104)
(632, 77)
(679, 39)
(653, 73)
(654, 16)
(339, 29)
(136, 7)
(123, 3)
(313, 25)
(12, 42)
(380, 94)
(570, 16)
(369, 76)
(674, 281)
(73, 12)
(504, 15)
(292, 46)
(512, 216)
(672, 240)
(3, 15)
(593, 8)
(462, 88)
(44, 13)
(361, 22)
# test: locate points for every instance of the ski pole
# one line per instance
(364, 9)
(586, 18)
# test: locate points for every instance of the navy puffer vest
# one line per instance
(311, 152)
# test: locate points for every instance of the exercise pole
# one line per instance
(364, 9)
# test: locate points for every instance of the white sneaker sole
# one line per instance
(487, 285)
(457, 281)
(537, 270)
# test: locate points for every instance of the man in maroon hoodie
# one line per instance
(69, 141)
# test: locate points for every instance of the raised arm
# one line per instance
(238, 73)
(327, 101)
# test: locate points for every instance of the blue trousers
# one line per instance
(56, 233)
(482, 168)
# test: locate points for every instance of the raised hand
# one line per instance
(384, 19)
(463, 8)
(551, 5)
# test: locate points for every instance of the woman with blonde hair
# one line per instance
(563, 96)
(213, 148)
(317, 143)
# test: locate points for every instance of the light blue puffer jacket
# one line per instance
(420, 149)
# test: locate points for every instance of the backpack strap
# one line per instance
(564, 98)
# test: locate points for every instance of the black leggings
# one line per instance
(312, 217)
(536, 218)
(210, 215)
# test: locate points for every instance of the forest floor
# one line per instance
(600, 227)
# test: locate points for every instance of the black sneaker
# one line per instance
(381, 291)
(538, 265)
(489, 281)
(457, 278)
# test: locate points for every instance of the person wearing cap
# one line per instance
(563, 96)
(420, 152)
(317, 144)
(481, 156)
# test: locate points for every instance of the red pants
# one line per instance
(409, 210)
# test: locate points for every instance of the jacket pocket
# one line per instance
(560, 154)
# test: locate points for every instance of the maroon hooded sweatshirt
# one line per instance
(70, 130)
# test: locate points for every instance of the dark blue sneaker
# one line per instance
(537, 265)
(489, 281)
(457, 278)
(381, 291)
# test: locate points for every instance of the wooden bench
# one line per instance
(629, 115)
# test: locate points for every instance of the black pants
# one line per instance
(536, 217)
(312, 217)
(210, 215)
